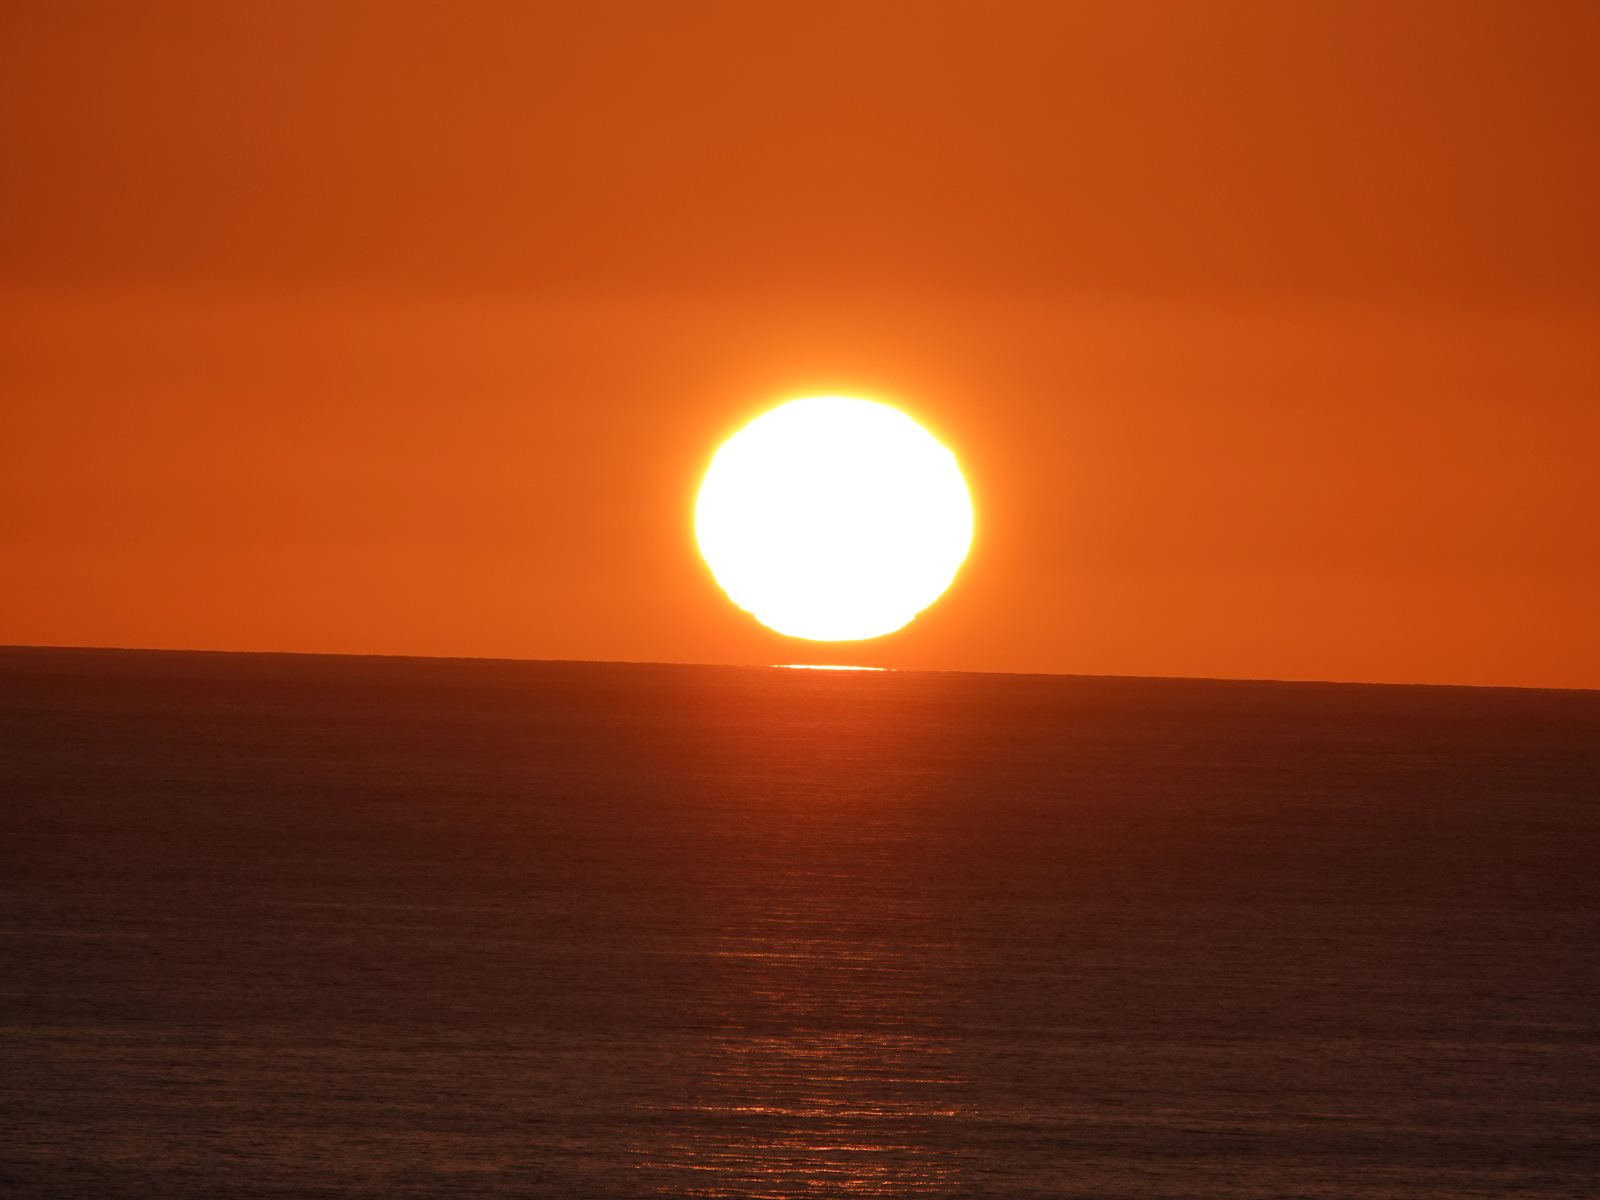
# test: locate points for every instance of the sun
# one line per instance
(833, 519)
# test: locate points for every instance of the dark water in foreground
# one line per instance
(323, 927)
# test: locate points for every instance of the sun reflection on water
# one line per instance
(843, 1113)
(823, 667)
(822, 1053)
(822, 1073)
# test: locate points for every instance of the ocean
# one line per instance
(338, 927)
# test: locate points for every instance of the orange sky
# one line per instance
(1266, 332)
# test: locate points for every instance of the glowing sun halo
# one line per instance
(833, 519)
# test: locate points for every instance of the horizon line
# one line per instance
(768, 666)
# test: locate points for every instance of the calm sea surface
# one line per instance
(339, 927)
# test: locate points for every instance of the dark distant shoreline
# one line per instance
(6, 648)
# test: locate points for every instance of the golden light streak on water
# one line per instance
(823, 667)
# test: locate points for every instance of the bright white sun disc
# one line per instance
(833, 519)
